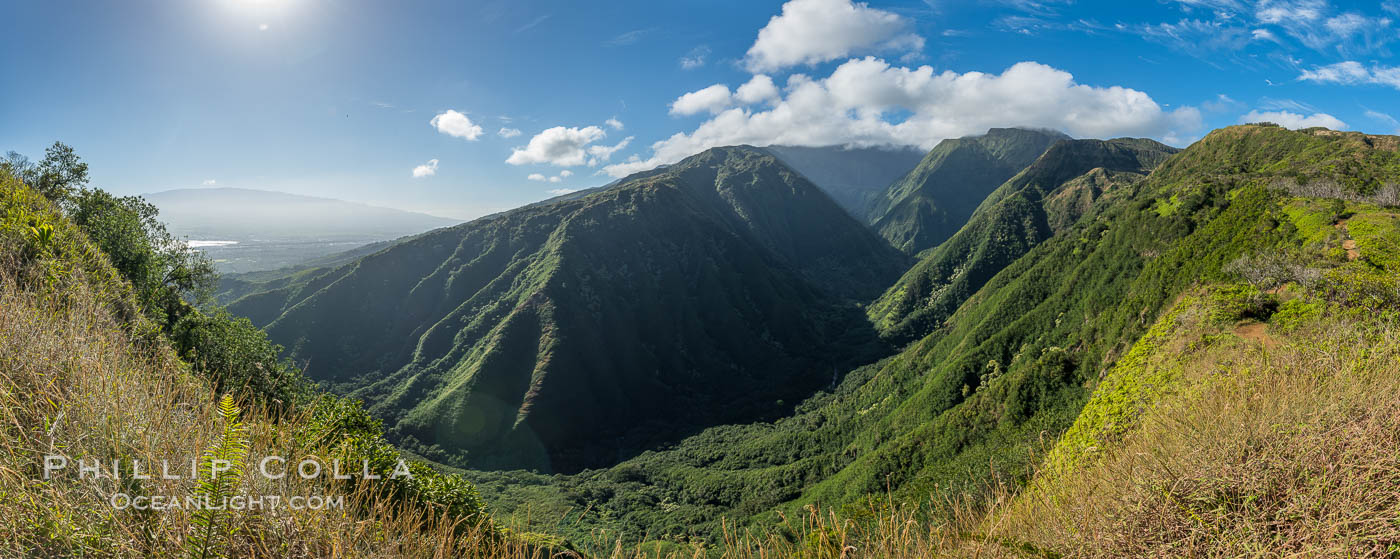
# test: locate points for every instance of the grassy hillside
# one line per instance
(1253, 418)
(1062, 185)
(987, 392)
(574, 334)
(935, 199)
(85, 375)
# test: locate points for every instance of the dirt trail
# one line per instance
(1349, 244)
(1256, 332)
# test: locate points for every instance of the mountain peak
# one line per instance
(1018, 132)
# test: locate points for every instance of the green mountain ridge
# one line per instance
(931, 202)
(1013, 365)
(574, 334)
(1062, 185)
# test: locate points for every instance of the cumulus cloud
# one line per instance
(210, 182)
(1352, 72)
(558, 146)
(760, 88)
(613, 123)
(868, 102)
(555, 179)
(712, 99)
(535, 177)
(566, 173)
(426, 170)
(1294, 121)
(456, 124)
(814, 31)
(508, 132)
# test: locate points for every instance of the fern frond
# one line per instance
(220, 471)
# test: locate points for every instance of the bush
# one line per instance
(165, 274)
(237, 357)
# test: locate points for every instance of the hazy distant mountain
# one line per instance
(853, 177)
(239, 213)
(265, 230)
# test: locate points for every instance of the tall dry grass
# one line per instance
(73, 384)
(1287, 446)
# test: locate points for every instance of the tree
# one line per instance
(56, 177)
(166, 275)
(18, 166)
(60, 173)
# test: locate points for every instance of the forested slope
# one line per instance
(1013, 365)
(1061, 186)
(933, 201)
(572, 334)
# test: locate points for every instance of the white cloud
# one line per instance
(613, 123)
(712, 99)
(1200, 37)
(456, 124)
(1218, 6)
(508, 132)
(426, 170)
(210, 182)
(558, 146)
(535, 177)
(695, 58)
(1288, 11)
(1221, 103)
(566, 173)
(603, 153)
(868, 102)
(1384, 118)
(1329, 28)
(561, 191)
(1352, 72)
(1311, 22)
(814, 31)
(555, 179)
(1294, 121)
(760, 88)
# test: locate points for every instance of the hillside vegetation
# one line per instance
(1253, 418)
(1064, 184)
(1184, 354)
(932, 202)
(91, 369)
(575, 334)
(982, 396)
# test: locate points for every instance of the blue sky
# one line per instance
(466, 107)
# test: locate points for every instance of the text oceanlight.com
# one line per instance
(122, 501)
